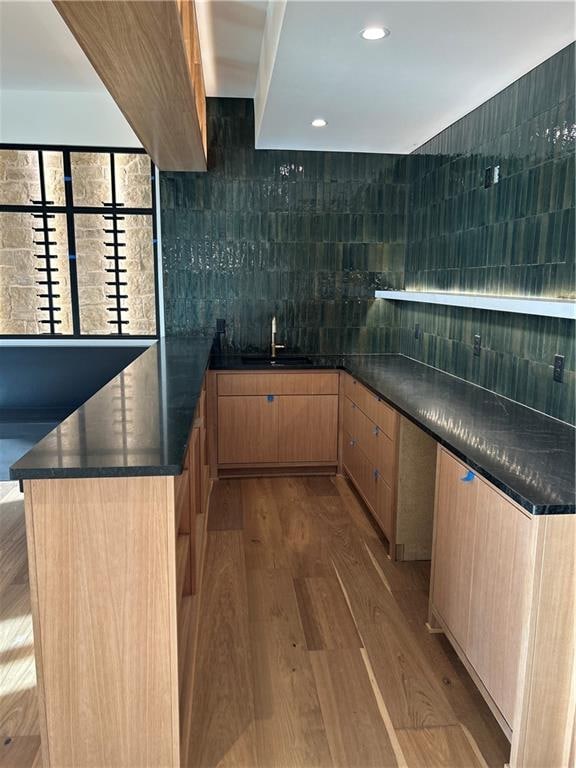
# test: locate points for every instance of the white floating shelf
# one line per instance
(520, 305)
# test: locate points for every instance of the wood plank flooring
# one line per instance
(313, 651)
(19, 729)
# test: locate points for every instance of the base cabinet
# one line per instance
(501, 559)
(247, 429)
(308, 429)
(482, 545)
(391, 462)
(494, 569)
(276, 420)
(115, 569)
(455, 528)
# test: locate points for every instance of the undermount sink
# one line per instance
(281, 361)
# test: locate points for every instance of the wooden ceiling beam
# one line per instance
(147, 54)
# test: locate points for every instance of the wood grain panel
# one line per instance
(194, 59)
(356, 733)
(278, 383)
(140, 54)
(247, 430)
(308, 428)
(544, 722)
(454, 531)
(502, 558)
(102, 556)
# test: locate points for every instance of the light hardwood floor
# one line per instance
(312, 646)
(19, 729)
(313, 649)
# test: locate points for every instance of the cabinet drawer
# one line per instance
(360, 470)
(277, 384)
(374, 407)
(378, 447)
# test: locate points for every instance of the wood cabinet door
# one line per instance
(248, 429)
(385, 512)
(454, 531)
(500, 568)
(308, 428)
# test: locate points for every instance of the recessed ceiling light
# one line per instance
(375, 33)
(319, 122)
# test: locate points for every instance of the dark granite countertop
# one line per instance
(528, 455)
(137, 424)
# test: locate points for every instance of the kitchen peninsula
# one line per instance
(116, 499)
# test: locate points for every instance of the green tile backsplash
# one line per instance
(515, 237)
(307, 236)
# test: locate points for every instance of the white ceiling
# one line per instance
(49, 91)
(307, 59)
(441, 60)
(38, 51)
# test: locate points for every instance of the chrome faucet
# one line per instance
(273, 345)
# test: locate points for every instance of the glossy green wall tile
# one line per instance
(307, 236)
(515, 237)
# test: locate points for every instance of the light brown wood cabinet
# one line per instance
(455, 526)
(247, 429)
(482, 561)
(391, 463)
(276, 419)
(500, 563)
(119, 560)
(499, 575)
(308, 428)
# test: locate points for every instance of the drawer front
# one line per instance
(378, 447)
(374, 407)
(277, 383)
(360, 470)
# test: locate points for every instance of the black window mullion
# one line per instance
(75, 299)
(112, 211)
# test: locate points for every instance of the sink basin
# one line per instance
(281, 361)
